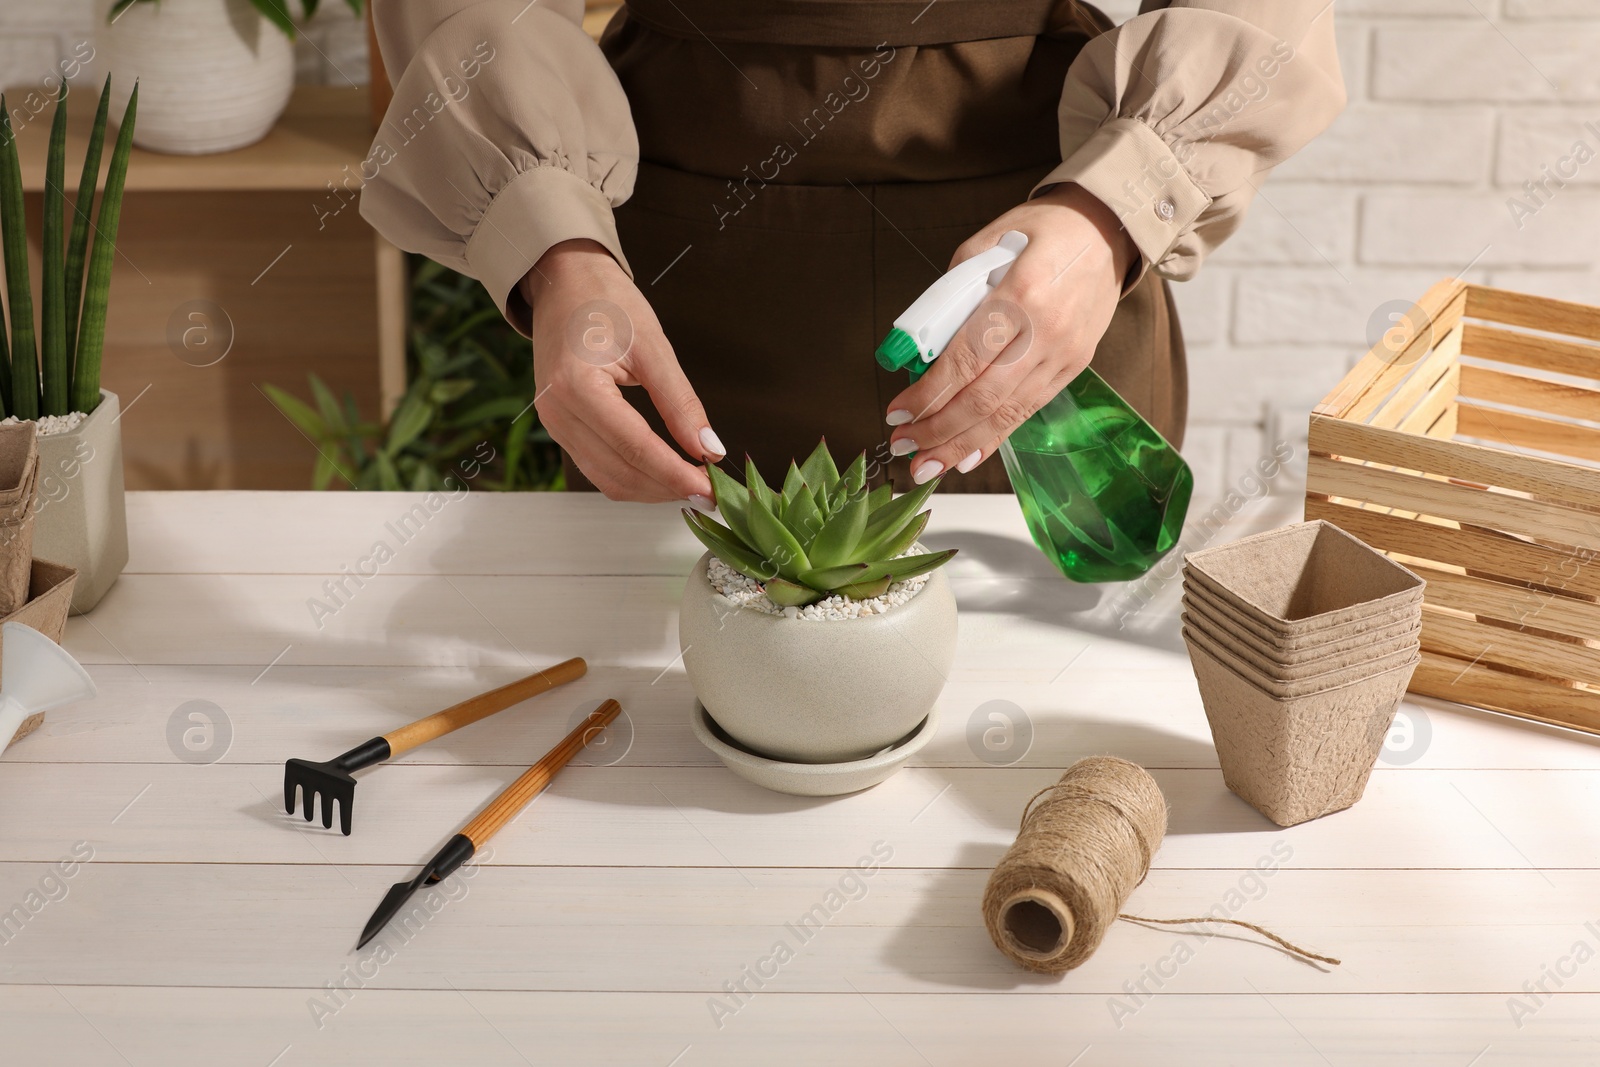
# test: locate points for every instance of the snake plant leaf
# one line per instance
(722, 544)
(56, 374)
(818, 469)
(880, 496)
(865, 590)
(774, 541)
(732, 500)
(19, 291)
(82, 210)
(97, 286)
(837, 539)
(789, 594)
(803, 518)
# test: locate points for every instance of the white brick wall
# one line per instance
(1454, 104)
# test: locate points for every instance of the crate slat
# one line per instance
(1514, 604)
(1428, 379)
(1478, 550)
(1526, 350)
(1570, 482)
(1476, 641)
(1381, 369)
(1527, 698)
(1446, 500)
(1529, 431)
(1429, 454)
(1533, 312)
(1537, 394)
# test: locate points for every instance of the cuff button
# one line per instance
(1166, 209)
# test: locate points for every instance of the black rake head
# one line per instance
(325, 780)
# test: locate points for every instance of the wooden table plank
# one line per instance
(111, 1026)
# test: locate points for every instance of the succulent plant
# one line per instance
(823, 533)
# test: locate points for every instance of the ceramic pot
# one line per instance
(82, 519)
(214, 75)
(813, 691)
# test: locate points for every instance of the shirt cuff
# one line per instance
(1128, 167)
(540, 207)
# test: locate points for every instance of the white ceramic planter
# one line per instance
(214, 75)
(83, 520)
(816, 691)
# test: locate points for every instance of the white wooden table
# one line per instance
(610, 920)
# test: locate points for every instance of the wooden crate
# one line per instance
(1466, 444)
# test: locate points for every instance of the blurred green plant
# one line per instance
(274, 11)
(471, 383)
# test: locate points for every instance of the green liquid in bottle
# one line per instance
(1103, 493)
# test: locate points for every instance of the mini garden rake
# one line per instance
(334, 782)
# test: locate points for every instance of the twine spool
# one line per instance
(1079, 853)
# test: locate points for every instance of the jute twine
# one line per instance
(1077, 857)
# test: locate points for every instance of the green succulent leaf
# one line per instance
(865, 590)
(758, 485)
(732, 500)
(793, 482)
(854, 478)
(835, 577)
(818, 469)
(791, 595)
(774, 541)
(838, 538)
(880, 496)
(898, 570)
(719, 539)
(892, 546)
(900, 510)
(804, 518)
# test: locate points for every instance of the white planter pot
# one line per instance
(214, 75)
(82, 519)
(812, 691)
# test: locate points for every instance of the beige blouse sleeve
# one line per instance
(1174, 118)
(508, 133)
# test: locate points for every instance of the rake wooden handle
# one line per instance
(505, 807)
(482, 706)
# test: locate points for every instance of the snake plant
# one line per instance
(822, 533)
(56, 371)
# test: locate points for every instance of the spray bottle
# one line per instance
(1103, 493)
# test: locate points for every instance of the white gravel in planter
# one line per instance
(50, 425)
(747, 593)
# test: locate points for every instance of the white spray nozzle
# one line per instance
(933, 319)
(36, 674)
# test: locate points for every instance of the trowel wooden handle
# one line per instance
(505, 807)
(482, 706)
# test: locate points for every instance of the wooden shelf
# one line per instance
(325, 129)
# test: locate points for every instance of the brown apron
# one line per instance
(808, 168)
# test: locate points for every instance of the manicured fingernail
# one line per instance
(712, 442)
(927, 470)
(899, 417)
(902, 446)
(702, 503)
(971, 461)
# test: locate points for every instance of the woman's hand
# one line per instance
(1026, 342)
(593, 332)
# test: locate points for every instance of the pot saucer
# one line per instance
(810, 779)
